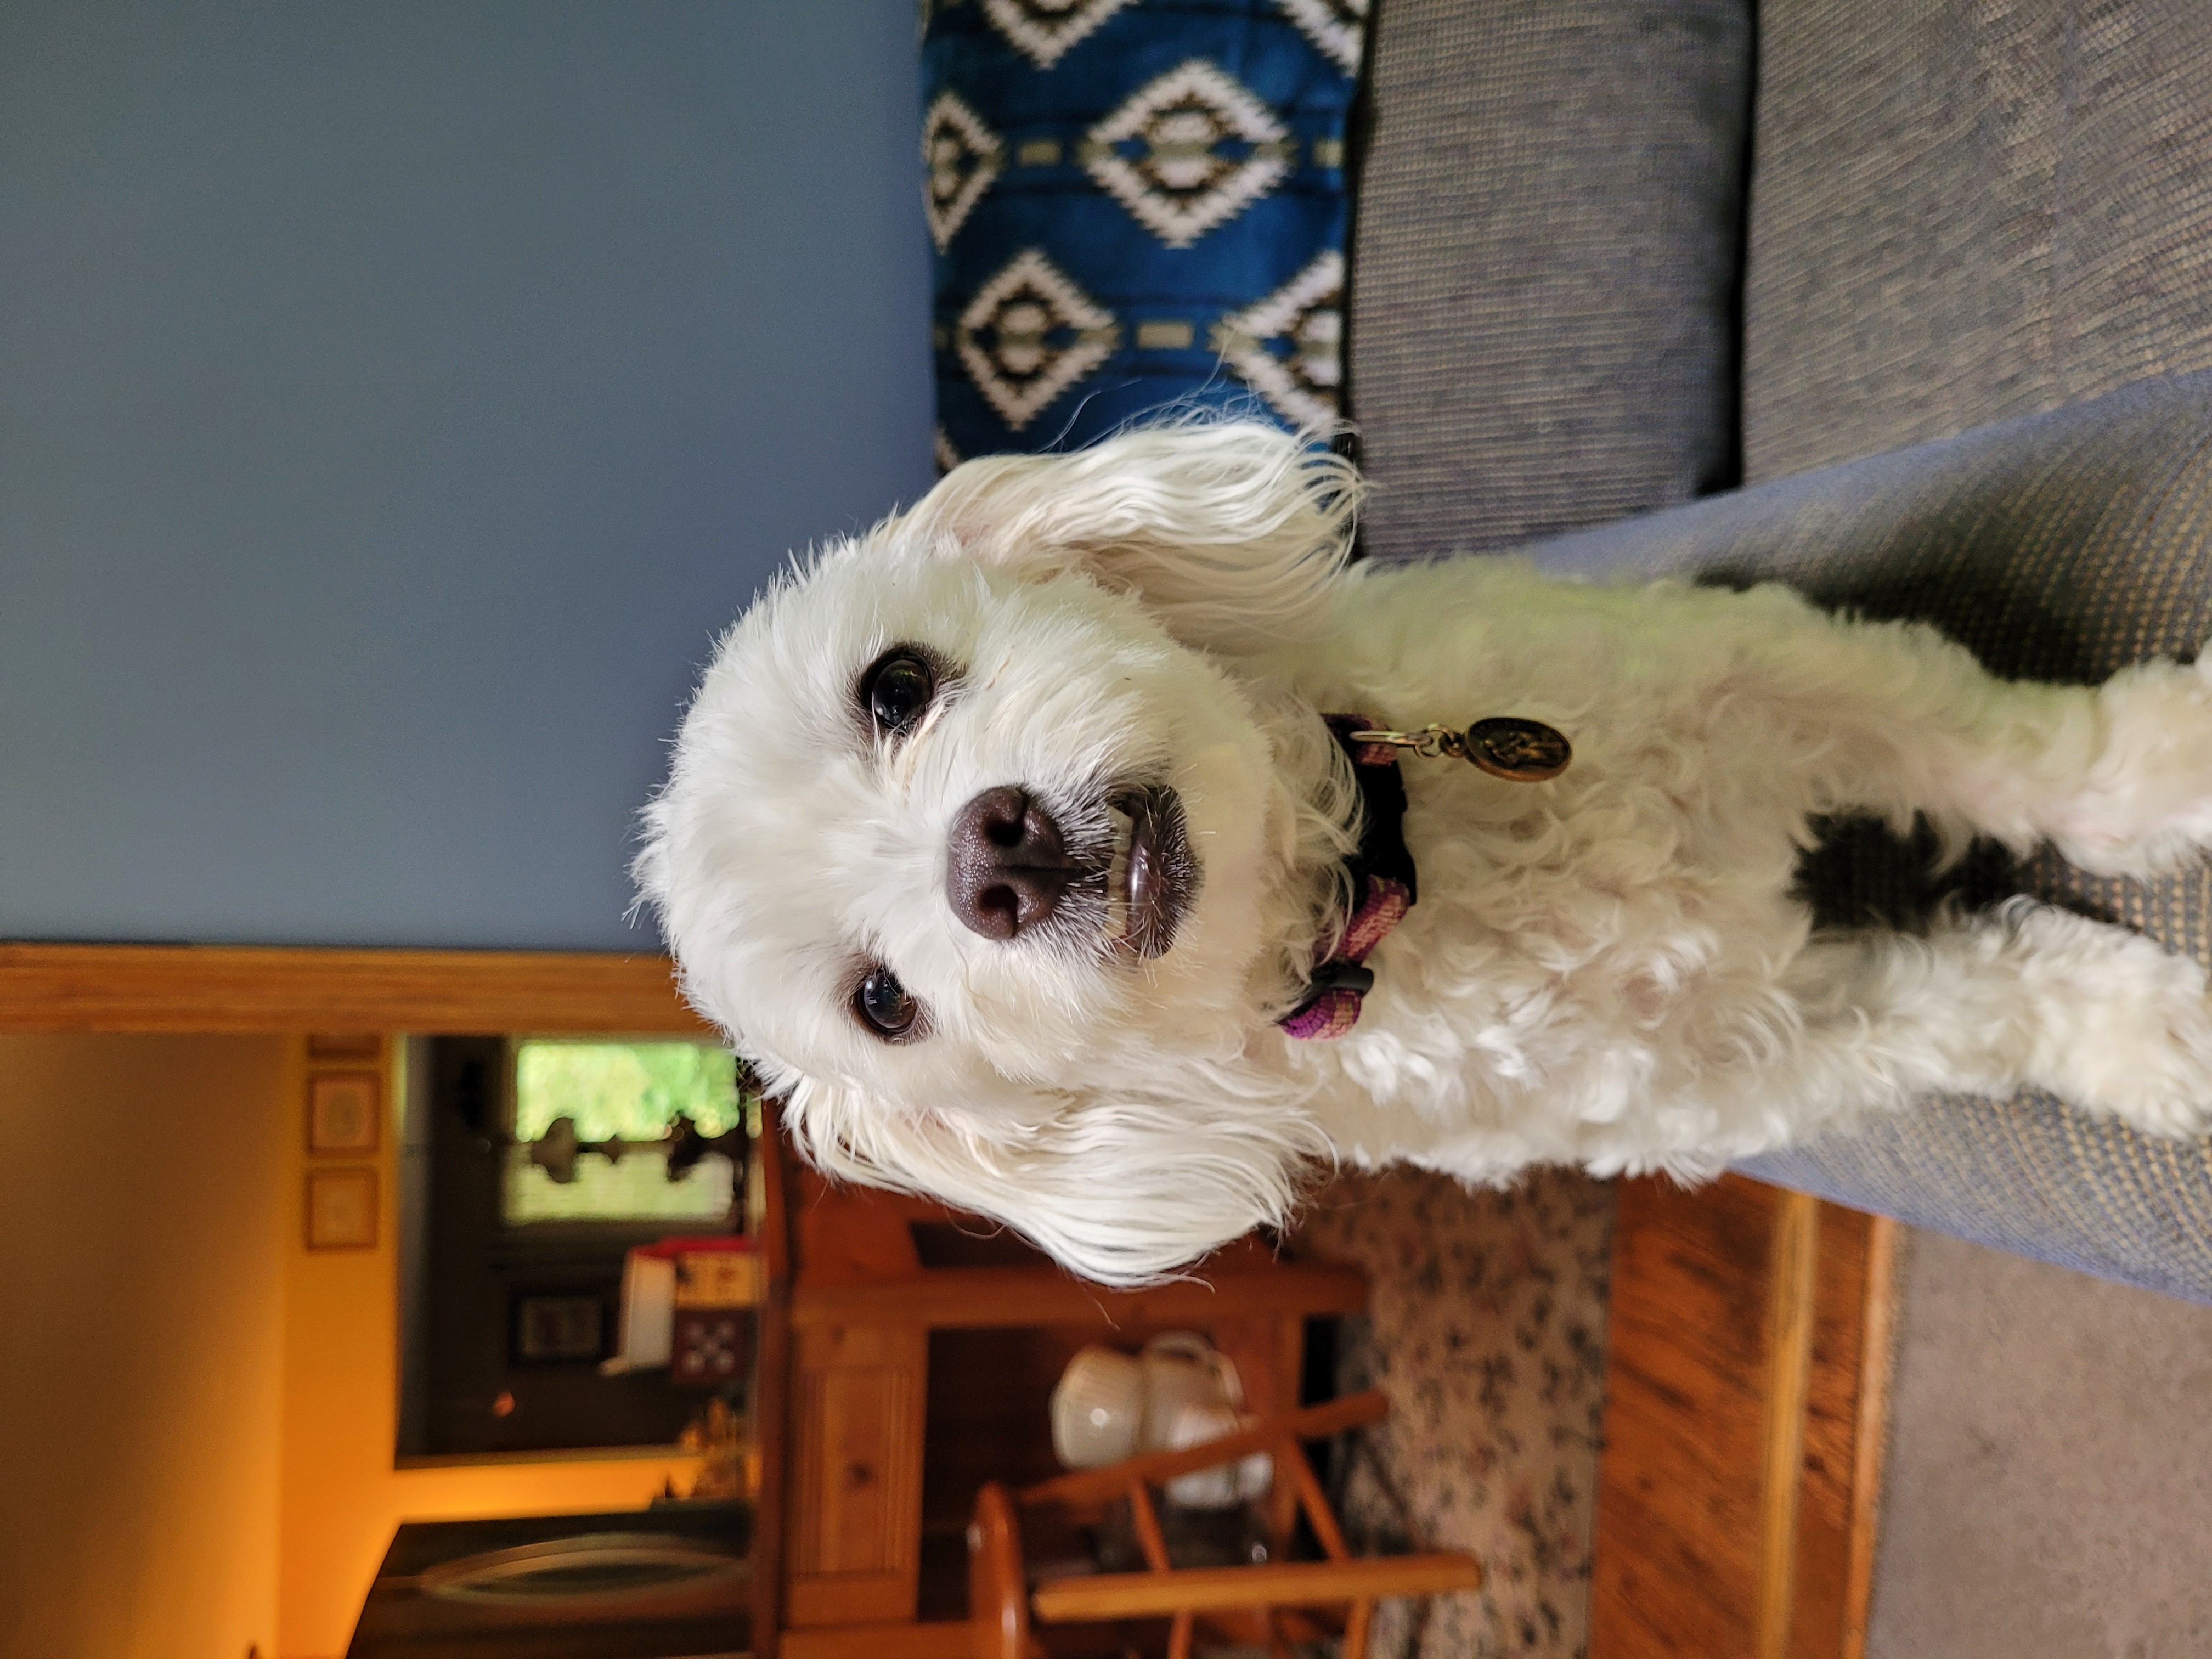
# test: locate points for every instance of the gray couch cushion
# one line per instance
(1546, 254)
(2062, 547)
(1962, 213)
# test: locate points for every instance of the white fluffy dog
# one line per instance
(1003, 837)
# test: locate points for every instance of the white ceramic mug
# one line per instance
(1183, 1370)
(1225, 1484)
(1098, 1408)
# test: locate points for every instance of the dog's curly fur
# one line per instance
(1611, 969)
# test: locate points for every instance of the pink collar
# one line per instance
(1383, 891)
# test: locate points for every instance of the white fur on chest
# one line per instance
(1594, 966)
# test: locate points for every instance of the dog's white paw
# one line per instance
(2140, 1048)
(2147, 806)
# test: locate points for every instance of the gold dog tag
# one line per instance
(1504, 745)
(1527, 752)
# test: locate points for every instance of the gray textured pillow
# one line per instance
(1543, 311)
(1964, 213)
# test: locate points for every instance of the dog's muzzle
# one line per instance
(1006, 866)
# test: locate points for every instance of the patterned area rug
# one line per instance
(1487, 1327)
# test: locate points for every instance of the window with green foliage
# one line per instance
(622, 1097)
(624, 1091)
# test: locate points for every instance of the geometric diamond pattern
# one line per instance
(1030, 333)
(1337, 27)
(964, 158)
(1044, 30)
(1289, 347)
(1187, 151)
(1134, 207)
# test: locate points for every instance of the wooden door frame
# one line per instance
(238, 989)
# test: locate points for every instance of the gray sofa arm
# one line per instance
(2060, 547)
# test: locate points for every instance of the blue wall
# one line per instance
(395, 399)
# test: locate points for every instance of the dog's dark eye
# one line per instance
(885, 1004)
(897, 689)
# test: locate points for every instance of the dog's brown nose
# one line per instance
(1006, 866)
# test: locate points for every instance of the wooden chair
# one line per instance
(1002, 1606)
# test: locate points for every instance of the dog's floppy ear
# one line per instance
(1228, 530)
(1124, 1190)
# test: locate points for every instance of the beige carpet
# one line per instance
(1486, 1325)
(2049, 1491)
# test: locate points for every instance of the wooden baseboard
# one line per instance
(1746, 1386)
(246, 989)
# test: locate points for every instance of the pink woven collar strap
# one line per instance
(1383, 891)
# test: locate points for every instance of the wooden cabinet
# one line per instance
(854, 1546)
(868, 1471)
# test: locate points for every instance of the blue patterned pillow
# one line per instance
(1134, 202)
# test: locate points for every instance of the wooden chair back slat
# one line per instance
(1273, 1600)
(1355, 1630)
(998, 1589)
(1291, 1464)
(1100, 1597)
(1150, 1538)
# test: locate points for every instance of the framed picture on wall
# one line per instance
(341, 1209)
(344, 1111)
